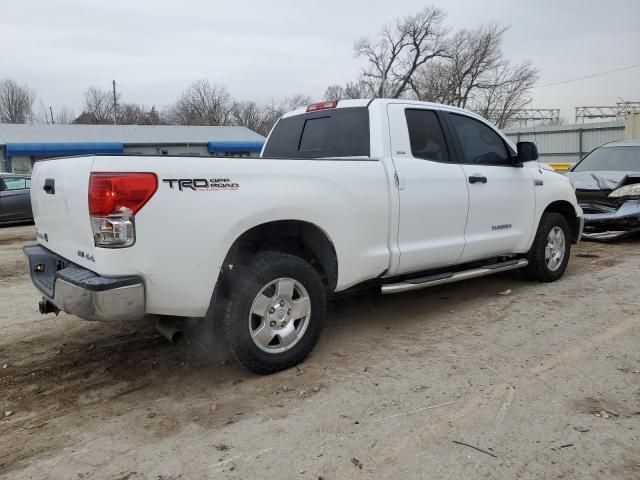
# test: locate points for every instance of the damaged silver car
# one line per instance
(607, 183)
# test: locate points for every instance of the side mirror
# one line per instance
(527, 151)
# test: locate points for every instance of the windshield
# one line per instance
(611, 159)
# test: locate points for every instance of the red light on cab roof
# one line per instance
(322, 105)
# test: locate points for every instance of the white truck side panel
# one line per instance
(556, 187)
(182, 237)
(508, 198)
(64, 215)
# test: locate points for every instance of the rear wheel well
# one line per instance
(295, 237)
(565, 209)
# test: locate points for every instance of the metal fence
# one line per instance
(566, 144)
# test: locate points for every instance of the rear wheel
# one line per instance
(549, 254)
(274, 312)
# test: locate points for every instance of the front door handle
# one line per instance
(477, 178)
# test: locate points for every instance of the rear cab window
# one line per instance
(335, 133)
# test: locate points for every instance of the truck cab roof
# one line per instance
(383, 102)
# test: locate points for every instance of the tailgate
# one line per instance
(59, 198)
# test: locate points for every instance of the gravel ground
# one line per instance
(541, 383)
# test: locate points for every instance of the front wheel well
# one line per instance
(295, 237)
(567, 210)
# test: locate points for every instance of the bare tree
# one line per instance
(253, 116)
(433, 83)
(131, 114)
(470, 57)
(357, 89)
(16, 102)
(202, 103)
(276, 110)
(44, 113)
(135, 114)
(154, 117)
(64, 116)
(261, 118)
(400, 50)
(98, 107)
(474, 74)
(505, 92)
(291, 103)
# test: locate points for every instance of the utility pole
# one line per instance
(51, 111)
(115, 105)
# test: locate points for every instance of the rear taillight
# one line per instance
(110, 191)
(114, 199)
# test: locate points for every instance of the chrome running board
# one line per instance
(442, 278)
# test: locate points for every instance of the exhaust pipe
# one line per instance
(171, 333)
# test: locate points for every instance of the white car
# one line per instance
(401, 193)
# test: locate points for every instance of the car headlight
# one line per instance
(632, 190)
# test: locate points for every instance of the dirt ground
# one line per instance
(543, 382)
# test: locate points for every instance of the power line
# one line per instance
(628, 67)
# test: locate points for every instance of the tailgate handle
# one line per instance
(50, 186)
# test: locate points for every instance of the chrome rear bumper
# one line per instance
(121, 303)
(84, 293)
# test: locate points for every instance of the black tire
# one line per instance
(538, 269)
(246, 282)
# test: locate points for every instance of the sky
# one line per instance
(266, 50)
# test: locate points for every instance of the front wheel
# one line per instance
(274, 312)
(549, 254)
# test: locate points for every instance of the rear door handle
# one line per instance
(477, 178)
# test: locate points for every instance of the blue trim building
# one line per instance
(22, 145)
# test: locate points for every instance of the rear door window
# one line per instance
(426, 136)
(341, 132)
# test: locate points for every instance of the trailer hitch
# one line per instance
(45, 306)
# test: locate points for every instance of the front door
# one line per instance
(501, 194)
(432, 190)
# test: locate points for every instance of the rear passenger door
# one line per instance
(15, 200)
(432, 190)
(501, 194)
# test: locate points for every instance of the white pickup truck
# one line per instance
(396, 193)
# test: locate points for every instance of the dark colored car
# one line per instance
(15, 198)
(607, 183)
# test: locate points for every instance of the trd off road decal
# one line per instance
(201, 184)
